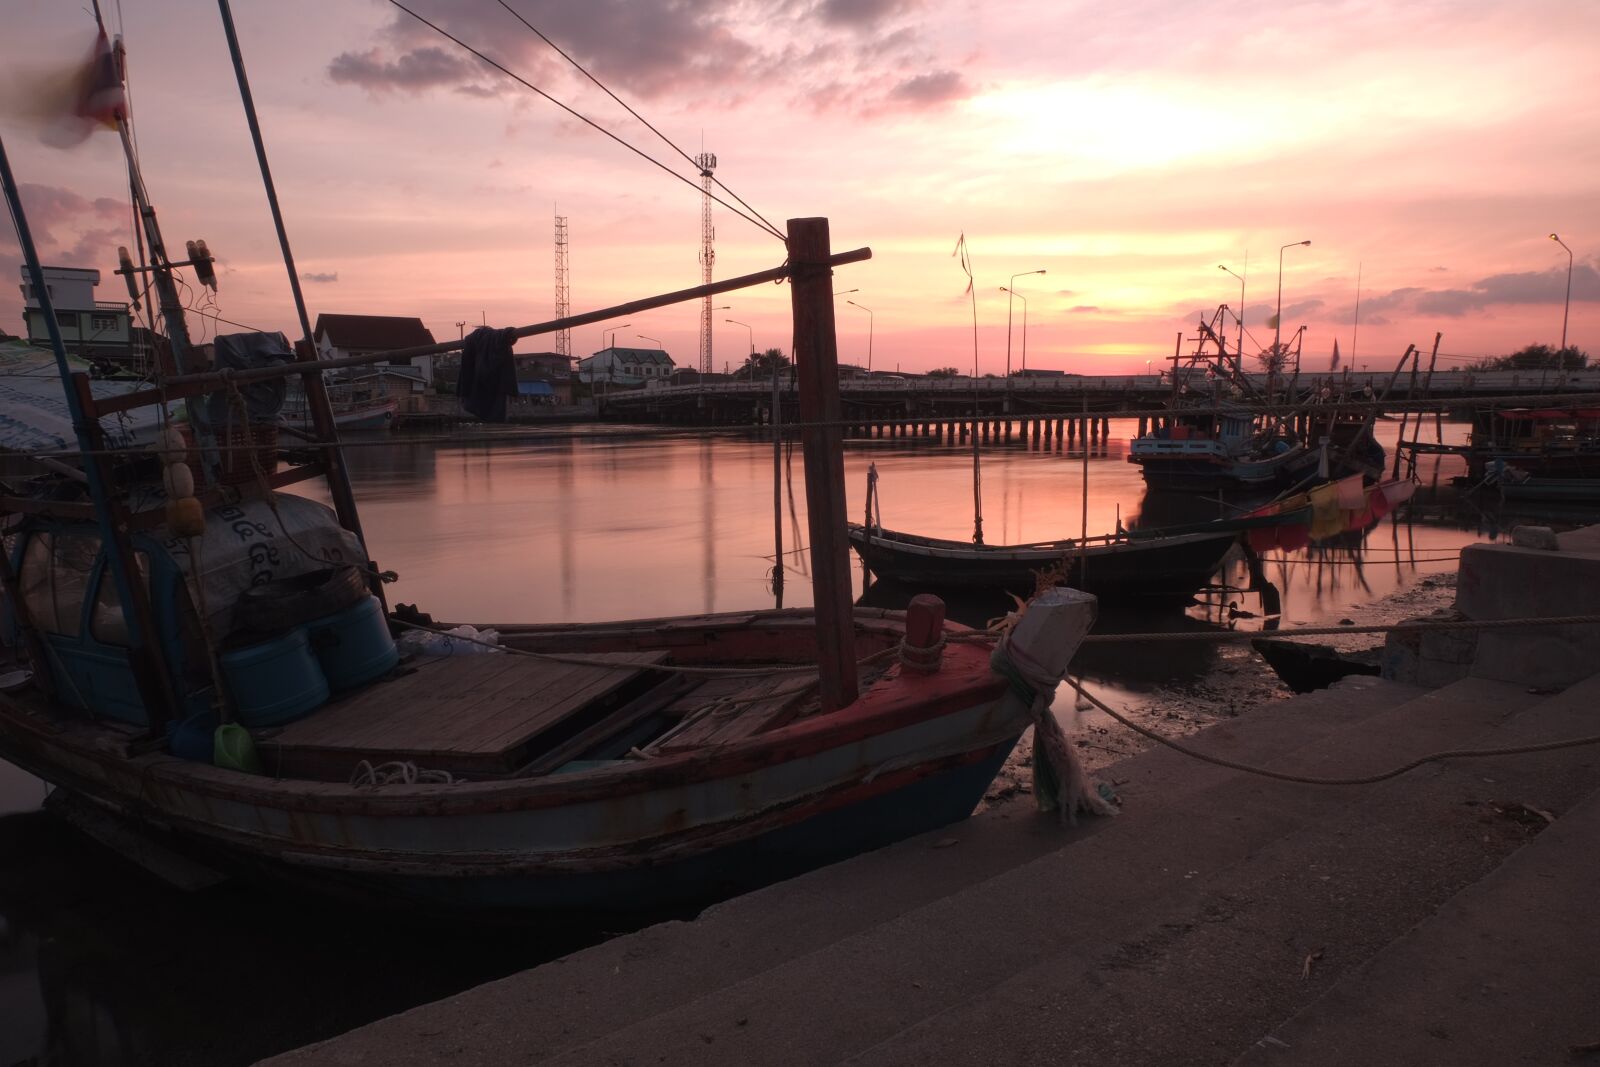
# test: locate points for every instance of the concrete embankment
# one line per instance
(1216, 908)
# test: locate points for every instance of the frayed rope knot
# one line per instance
(1062, 782)
(923, 658)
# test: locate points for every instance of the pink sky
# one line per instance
(1128, 149)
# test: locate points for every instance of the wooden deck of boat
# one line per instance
(494, 715)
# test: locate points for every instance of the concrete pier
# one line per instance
(1219, 909)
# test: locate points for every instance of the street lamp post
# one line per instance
(870, 318)
(1012, 291)
(1277, 323)
(1568, 305)
(647, 337)
(1240, 316)
(1024, 300)
(752, 333)
(613, 332)
(1277, 328)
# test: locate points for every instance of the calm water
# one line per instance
(100, 964)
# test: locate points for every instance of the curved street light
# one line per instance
(647, 337)
(1568, 305)
(870, 318)
(1011, 290)
(1240, 315)
(1277, 329)
(752, 333)
(613, 332)
(1024, 300)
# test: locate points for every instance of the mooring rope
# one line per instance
(1306, 779)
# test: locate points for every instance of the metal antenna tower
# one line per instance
(707, 162)
(563, 289)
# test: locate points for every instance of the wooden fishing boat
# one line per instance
(214, 674)
(1112, 566)
(614, 785)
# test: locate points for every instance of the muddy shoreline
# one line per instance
(1241, 683)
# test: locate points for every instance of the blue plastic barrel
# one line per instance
(191, 739)
(275, 682)
(353, 645)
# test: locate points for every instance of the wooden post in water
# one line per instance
(777, 489)
(816, 358)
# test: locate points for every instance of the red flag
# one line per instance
(101, 98)
(90, 96)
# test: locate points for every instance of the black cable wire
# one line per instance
(601, 85)
(761, 225)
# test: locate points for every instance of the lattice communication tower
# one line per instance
(563, 288)
(707, 162)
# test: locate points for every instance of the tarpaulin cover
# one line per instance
(248, 351)
(244, 545)
(33, 408)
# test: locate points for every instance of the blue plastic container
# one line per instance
(191, 739)
(275, 682)
(353, 645)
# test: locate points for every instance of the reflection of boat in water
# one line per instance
(1110, 566)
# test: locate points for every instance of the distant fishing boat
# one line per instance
(353, 409)
(1209, 439)
(1220, 447)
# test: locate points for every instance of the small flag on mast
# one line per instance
(1334, 364)
(966, 262)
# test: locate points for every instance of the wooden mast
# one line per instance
(316, 390)
(817, 364)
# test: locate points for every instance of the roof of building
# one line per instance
(373, 332)
(636, 355)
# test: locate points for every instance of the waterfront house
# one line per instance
(626, 366)
(101, 331)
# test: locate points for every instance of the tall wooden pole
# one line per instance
(777, 488)
(816, 358)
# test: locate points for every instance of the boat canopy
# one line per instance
(33, 413)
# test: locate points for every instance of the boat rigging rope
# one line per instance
(581, 69)
(1419, 626)
(762, 224)
(1305, 779)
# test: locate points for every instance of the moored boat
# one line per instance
(1111, 566)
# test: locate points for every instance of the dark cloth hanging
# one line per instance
(488, 373)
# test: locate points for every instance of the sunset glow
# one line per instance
(1126, 149)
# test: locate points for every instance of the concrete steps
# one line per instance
(1510, 965)
(1174, 933)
